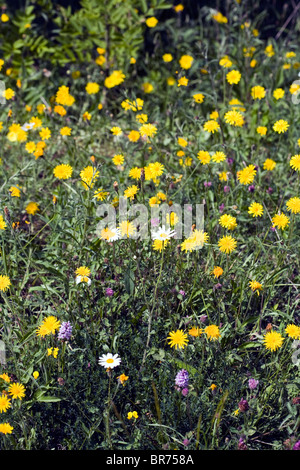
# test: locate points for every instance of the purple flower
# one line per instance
(230, 161)
(296, 446)
(253, 383)
(182, 378)
(185, 442)
(243, 405)
(242, 444)
(155, 222)
(182, 292)
(109, 292)
(185, 391)
(221, 208)
(203, 318)
(207, 184)
(226, 189)
(251, 188)
(65, 331)
(269, 190)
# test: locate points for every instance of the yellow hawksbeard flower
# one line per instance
(255, 209)
(246, 175)
(177, 339)
(258, 92)
(213, 332)
(63, 171)
(233, 77)
(227, 244)
(273, 340)
(280, 221)
(293, 205)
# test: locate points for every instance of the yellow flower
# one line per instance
(48, 326)
(269, 50)
(262, 130)
(2, 222)
(269, 164)
(218, 157)
(88, 176)
(258, 92)
(8, 94)
(118, 159)
(281, 126)
(293, 331)
(92, 88)
(177, 339)
(293, 205)
(16, 390)
(228, 221)
(225, 62)
(135, 173)
(32, 208)
(234, 118)
(182, 142)
(203, 156)
(253, 63)
(255, 209)
(4, 403)
(5, 377)
(127, 228)
(217, 271)
(159, 245)
(278, 93)
(148, 130)
(4, 283)
(151, 22)
(14, 192)
(295, 162)
(132, 414)
(233, 77)
(45, 133)
(6, 428)
(183, 81)
(255, 286)
(65, 130)
(227, 244)
(133, 136)
(171, 81)
(211, 126)
(220, 18)
(122, 379)
(115, 78)
(63, 96)
(167, 57)
(147, 87)
(63, 171)
(116, 130)
(280, 221)
(195, 331)
(212, 332)
(4, 18)
(186, 61)
(86, 116)
(247, 174)
(273, 340)
(35, 374)
(130, 192)
(198, 97)
(294, 88)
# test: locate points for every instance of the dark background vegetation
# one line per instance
(278, 11)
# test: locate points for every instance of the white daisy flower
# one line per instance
(85, 279)
(27, 126)
(109, 361)
(163, 234)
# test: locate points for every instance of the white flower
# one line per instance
(85, 279)
(114, 234)
(27, 126)
(109, 361)
(163, 234)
